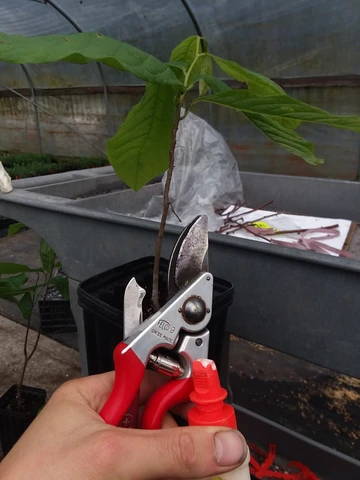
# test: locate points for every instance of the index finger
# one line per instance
(94, 390)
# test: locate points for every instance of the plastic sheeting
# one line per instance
(5, 180)
(293, 38)
(26, 17)
(153, 25)
(206, 176)
(278, 38)
(284, 38)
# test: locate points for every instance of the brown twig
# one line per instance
(174, 212)
(165, 211)
(300, 230)
(251, 222)
(256, 209)
(26, 340)
(235, 225)
(257, 234)
(39, 292)
(232, 221)
(232, 218)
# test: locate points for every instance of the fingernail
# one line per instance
(230, 447)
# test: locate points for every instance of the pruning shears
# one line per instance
(170, 339)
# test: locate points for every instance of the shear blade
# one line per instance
(190, 254)
(133, 313)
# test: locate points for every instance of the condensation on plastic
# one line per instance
(206, 176)
(5, 180)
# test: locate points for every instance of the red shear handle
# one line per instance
(129, 372)
(166, 397)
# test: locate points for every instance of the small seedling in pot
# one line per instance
(144, 144)
(25, 287)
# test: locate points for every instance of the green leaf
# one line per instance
(179, 70)
(286, 137)
(281, 107)
(274, 126)
(257, 83)
(48, 256)
(15, 228)
(11, 268)
(62, 285)
(191, 53)
(9, 293)
(84, 48)
(15, 281)
(215, 84)
(139, 151)
(218, 86)
(186, 51)
(280, 132)
(202, 66)
(12, 286)
(25, 305)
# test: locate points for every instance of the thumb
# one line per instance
(188, 452)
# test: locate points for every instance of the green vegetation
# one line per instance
(25, 286)
(144, 145)
(23, 165)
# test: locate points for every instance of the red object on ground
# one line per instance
(208, 397)
(266, 469)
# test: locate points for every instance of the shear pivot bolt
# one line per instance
(193, 310)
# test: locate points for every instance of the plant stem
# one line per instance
(301, 230)
(28, 325)
(165, 210)
(40, 292)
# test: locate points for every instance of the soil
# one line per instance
(110, 294)
(25, 403)
(316, 402)
(4, 225)
(18, 407)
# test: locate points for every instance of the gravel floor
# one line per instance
(51, 365)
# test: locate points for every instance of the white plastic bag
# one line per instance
(205, 177)
(5, 180)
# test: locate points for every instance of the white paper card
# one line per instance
(284, 221)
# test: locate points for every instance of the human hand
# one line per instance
(70, 441)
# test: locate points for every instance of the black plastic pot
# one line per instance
(4, 225)
(17, 411)
(101, 298)
(56, 316)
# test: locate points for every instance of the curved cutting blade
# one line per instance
(190, 254)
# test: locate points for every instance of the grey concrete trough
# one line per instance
(299, 302)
